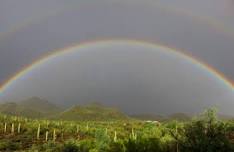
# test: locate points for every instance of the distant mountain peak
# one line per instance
(95, 104)
(92, 111)
(34, 99)
(31, 107)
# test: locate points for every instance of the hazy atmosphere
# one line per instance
(134, 77)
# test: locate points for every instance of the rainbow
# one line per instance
(205, 20)
(210, 70)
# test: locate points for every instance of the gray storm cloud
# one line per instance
(134, 77)
(35, 32)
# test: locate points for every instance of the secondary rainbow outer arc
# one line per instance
(211, 22)
(58, 52)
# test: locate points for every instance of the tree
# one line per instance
(205, 134)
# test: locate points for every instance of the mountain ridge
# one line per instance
(36, 107)
(33, 107)
(92, 111)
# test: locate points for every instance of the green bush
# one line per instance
(71, 146)
(47, 147)
(7, 145)
(116, 147)
(205, 134)
(145, 145)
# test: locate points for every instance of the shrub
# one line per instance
(205, 134)
(6, 145)
(71, 146)
(144, 145)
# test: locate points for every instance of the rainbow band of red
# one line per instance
(218, 75)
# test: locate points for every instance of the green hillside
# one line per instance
(179, 117)
(94, 111)
(40, 105)
(32, 108)
(161, 118)
(151, 117)
(35, 107)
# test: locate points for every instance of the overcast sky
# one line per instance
(134, 77)
(30, 28)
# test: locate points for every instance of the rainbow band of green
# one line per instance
(211, 22)
(59, 52)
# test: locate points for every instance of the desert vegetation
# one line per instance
(204, 133)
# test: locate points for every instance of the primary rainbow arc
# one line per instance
(219, 76)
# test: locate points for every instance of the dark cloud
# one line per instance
(72, 22)
(133, 77)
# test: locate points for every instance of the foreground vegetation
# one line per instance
(204, 134)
